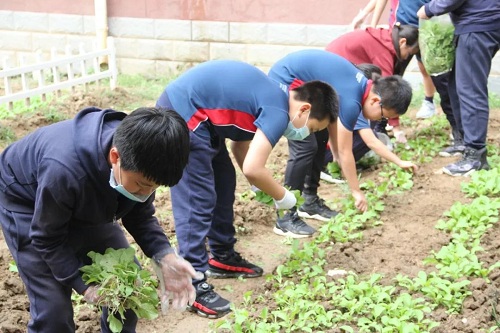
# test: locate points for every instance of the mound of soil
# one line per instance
(399, 245)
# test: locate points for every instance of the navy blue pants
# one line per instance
(469, 84)
(441, 82)
(202, 202)
(305, 162)
(50, 301)
(359, 148)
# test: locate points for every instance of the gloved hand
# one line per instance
(91, 295)
(287, 202)
(177, 275)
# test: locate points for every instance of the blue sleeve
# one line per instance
(144, 227)
(272, 122)
(439, 7)
(349, 112)
(56, 195)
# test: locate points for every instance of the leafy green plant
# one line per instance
(436, 45)
(122, 285)
(483, 182)
(334, 170)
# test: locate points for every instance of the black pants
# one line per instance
(305, 162)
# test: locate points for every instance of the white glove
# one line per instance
(288, 201)
(175, 275)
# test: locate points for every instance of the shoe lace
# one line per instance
(320, 202)
(297, 221)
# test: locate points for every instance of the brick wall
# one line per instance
(160, 46)
(166, 46)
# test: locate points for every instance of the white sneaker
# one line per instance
(328, 178)
(426, 110)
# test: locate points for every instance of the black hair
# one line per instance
(154, 142)
(407, 31)
(370, 71)
(395, 93)
(322, 97)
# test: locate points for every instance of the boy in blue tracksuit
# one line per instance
(381, 98)
(64, 186)
(477, 33)
(230, 99)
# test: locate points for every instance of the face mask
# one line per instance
(120, 189)
(294, 133)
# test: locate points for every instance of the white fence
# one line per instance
(26, 81)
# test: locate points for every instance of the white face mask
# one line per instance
(119, 187)
(294, 133)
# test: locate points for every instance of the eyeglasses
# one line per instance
(382, 117)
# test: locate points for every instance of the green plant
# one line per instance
(334, 170)
(436, 45)
(122, 285)
(7, 135)
(483, 182)
(13, 267)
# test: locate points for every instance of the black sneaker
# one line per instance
(473, 160)
(315, 208)
(208, 303)
(456, 149)
(290, 225)
(232, 266)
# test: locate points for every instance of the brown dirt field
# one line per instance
(399, 245)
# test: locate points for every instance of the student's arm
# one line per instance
(348, 165)
(254, 166)
(240, 150)
(363, 13)
(377, 12)
(381, 150)
(332, 140)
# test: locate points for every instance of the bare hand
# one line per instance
(358, 20)
(407, 165)
(360, 200)
(400, 136)
(91, 295)
(421, 13)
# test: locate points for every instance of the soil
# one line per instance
(399, 245)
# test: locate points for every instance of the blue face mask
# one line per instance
(294, 133)
(120, 189)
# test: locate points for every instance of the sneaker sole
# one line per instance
(206, 315)
(332, 180)
(443, 154)
(424, 117)
(468, 173)
(229, 275)
(315, 216)
(280, 232)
